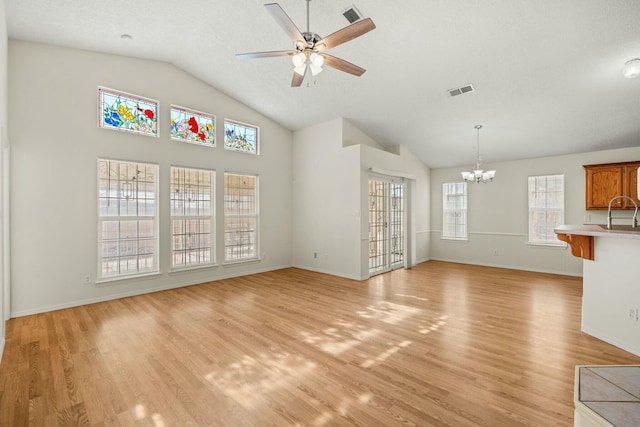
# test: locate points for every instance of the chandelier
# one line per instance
(478, 175)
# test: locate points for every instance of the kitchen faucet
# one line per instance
(634, 222)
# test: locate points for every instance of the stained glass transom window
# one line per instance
(193, 126)
(125, 112)
(240, 137)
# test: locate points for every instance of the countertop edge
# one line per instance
(596, 231)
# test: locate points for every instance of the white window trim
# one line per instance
(212, 225)
(442, 234)
(100, 279)
(547, 243)
(236, 122)
(257, 256)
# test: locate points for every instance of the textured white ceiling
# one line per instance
(547, 73)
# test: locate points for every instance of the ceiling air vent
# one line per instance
(460, 90)
(352, 14)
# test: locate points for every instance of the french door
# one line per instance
(386, 225)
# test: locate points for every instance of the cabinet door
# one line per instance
(603, 183)
(631, 185)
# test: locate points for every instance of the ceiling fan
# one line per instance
(310, 48)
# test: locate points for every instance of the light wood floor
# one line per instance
(438, 345)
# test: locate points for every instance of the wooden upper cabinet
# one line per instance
(605, 181)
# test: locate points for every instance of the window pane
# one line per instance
(546, 208)
(126, 112)
(192, 215)
(454, 212)
(127, 221)
(192, 126)
(241, 217)
(240, 137)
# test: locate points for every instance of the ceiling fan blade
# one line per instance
(256, 55)
(285, 22)
(342, 65)
(297, 79)
(344, 35)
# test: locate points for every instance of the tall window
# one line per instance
(454, 210)
(546, 208)
(191, 217)
(240, 217)
(127, 219)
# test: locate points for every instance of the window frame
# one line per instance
(542, 242)
(104, 124)
(463, 211)
(255, 216)
(194, 114)
(237, 123)
(101, 219)
(211, 218)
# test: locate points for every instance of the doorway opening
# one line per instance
(386, 225)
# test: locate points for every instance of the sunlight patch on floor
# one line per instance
(412, 296)
(385, 354)
(140, 413)
(252, 377)
(425, 329)
(388, 312)
(341, 338)
(322, 419)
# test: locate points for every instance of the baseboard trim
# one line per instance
(78, 303)
(2, 341)
(603, 337)
(331, 273)
(510, 267)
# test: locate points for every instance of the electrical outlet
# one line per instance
(87, 279)
(315, 254)
(587, 218)
(495, 252)
(632, 313)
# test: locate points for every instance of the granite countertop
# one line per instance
(613, 392)
(618, 230)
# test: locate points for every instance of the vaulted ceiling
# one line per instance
(546, 73)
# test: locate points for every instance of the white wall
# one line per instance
(4, 168)
(610, 290)
(498, 212)
(326, 201)
(55, 143)
(331, 173)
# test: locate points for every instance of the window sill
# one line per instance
(116, 280)
(195, 267)
(455, 239)
(559, 245)
(242, 261)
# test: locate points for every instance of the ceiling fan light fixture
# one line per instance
(300, 69)
(298, 59)
(316, 59)
(631, 68)
(315, 70)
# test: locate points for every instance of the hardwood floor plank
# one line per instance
(439, 345)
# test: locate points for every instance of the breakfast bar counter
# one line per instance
(611, 281)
